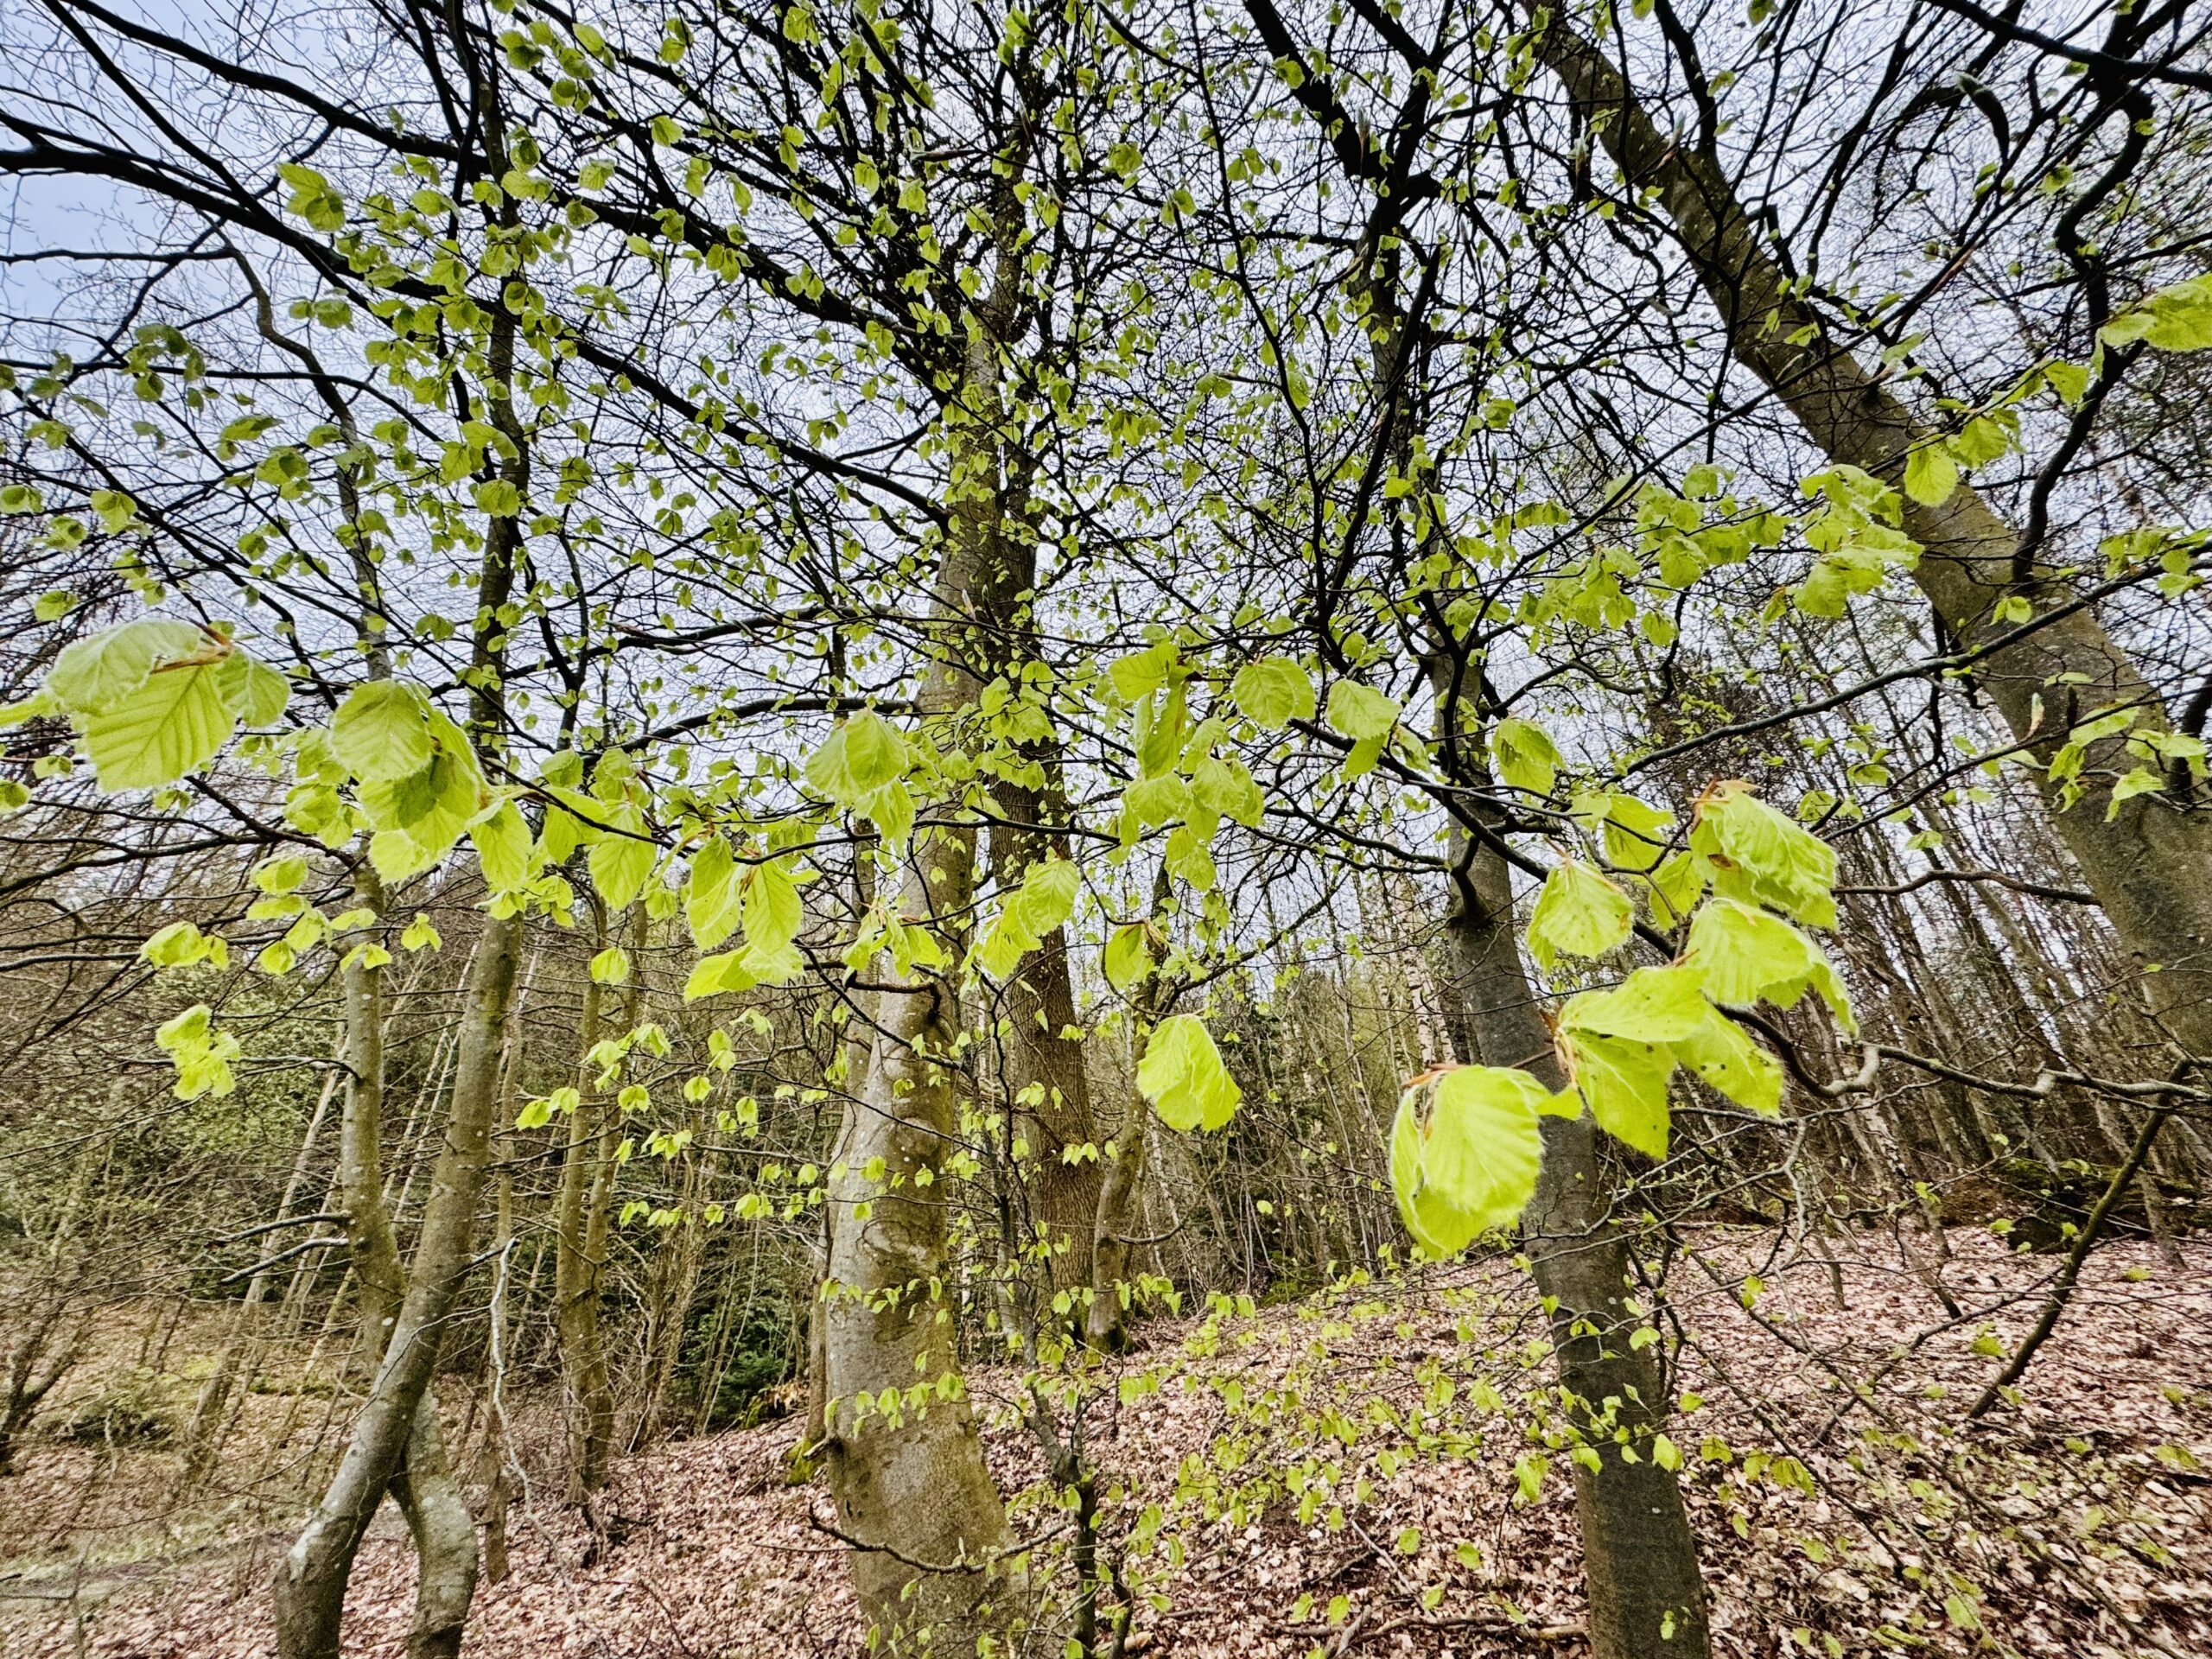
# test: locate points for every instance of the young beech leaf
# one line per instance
(1367, 717)
(861, 756)
(1652, 1005)
(1632, 833)
(1524, 756)
(713, 903)
(1043, 900)
(1272, 692)
(171, 725)
(620, 862)
(1745, 956)
(1930, 475)
(1720, 1052)
(102, 668)
(2175, 318)
(1464, 1152)
(382, 732)
(253, 691)
(610, 966)
(773, 912)
(1625, 1080)
(1360, 712)
(714, 975)
(1758, 854)
(1579, 913)
(1183, 1076)
(503, 848)
(1128, 958)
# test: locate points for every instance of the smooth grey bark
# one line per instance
(2149, 862)
(912, 1491)
(1647, 1597)
(580, 1248)
(395, 1439)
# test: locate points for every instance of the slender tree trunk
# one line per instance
(587, 1401)
(2149, 863)
(1043, 1068)
(1647, 1599)
(395, 1434)
(907, 1472)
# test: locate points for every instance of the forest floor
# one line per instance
(1350, 1474)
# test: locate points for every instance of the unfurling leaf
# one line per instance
(1463, 1154)
(1183, 1076)
(1758, 854)
(1128, 958)
(1524, 756)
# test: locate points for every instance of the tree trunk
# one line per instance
(587, 1401)
(391, 1437)
(910, 1481)
(2149, 864)
(1042, 1066)
(1647, 1599)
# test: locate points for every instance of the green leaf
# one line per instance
(256, 693)
(1463, 1154)
(1652, 1005)
(171, 725)
(2141, 780)
(1579, 913)
(714, 900)
(101, 670)
(1361, 713)
(1722, 1053)
(1128, 958)
(178, 946)
(1760, 854)
(714, 975)
(1143, 672)
(283, 874)
(1930, 475)
(1157, 800)
(862, 755)
(772, 909)
(610, 966)
(397, 855)
(1676, 884)
(1745, 956)
(619, 862)
(51, 606)
(1272, 692)
(382, 732)
(1625, 1080)
(1227, 788)
(1044, 901)
(1632, 832)
(2176, 319)
(1183, 1076)
(1524, 756)
(503, 848)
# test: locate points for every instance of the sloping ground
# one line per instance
(1352, 1474)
